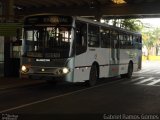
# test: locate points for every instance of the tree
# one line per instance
(130, 24)
(151, 39)
(148, 42)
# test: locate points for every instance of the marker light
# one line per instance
(65, 70)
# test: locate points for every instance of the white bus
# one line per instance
(76, 49)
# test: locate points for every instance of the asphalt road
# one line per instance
(113, 98)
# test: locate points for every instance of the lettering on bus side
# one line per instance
(43, 60)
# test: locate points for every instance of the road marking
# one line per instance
(143, 71)
(54, 97)
(154, 82)
(157, 72)
(153, 71)
(137, 79)
(145, 80)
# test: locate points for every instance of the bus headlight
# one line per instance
(65, 70)
(24, 69)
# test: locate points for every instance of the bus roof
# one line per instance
(106, 25)
(88, 21)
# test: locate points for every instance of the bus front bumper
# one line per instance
(62, 73)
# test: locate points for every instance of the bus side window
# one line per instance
(105, 38)
(81, 37)
(137, 42)
(140, 42)
(125, 37)
(93, 36)
(114, 39)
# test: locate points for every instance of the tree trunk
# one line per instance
(148, 54)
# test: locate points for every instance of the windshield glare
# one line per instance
(47, 41)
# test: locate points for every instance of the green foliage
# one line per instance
(151, 38)
(131, 24)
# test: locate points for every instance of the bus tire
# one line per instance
(93, 75)
(129, 73)
(130, 70)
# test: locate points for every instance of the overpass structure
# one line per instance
(97, 8)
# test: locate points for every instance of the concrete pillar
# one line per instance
(0, 8)
(8, 9)
(1, 11)
(8, 14)
(1, 56)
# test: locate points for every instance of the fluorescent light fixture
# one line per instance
(119, 1)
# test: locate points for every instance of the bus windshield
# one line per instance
(47, 41)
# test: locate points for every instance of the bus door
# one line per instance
(114, 54)
(80, 71)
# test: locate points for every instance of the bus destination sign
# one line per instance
(48, 19)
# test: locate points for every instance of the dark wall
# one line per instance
(11, 65)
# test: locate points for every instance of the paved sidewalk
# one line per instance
(12, 82)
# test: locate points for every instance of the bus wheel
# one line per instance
(129, 73)
(130, 70)
(93, 76)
